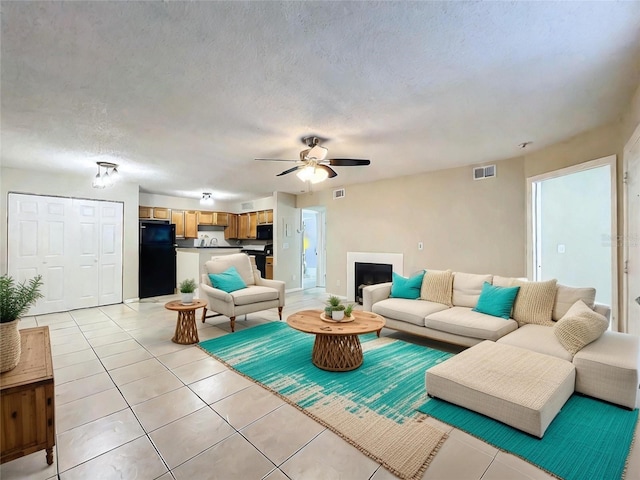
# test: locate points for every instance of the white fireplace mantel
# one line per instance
(394, 259)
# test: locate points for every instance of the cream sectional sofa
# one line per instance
(606, 368)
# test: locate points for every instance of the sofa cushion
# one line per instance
(254, 294)
(534, 302)
(238, 260)
(537, 338)
(403, 287)
(464, 321)
(503, 281)
(437, 286)
(567, 296)
(411, 311)
(496, 301)
(579, 327)
(227, 281)
(467, 288)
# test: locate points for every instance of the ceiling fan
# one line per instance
(313, 165)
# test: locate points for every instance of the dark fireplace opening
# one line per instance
(370, 274)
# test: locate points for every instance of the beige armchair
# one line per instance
(260, 294)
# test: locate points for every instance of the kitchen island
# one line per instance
(190, 260)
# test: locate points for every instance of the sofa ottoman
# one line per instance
(521, 388)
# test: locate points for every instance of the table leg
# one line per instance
(337, 353)
(186, 331)
(49, 455)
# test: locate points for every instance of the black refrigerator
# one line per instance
(157, 260)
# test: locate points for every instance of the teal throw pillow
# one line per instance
(406, 287)
(228, 281)
(496, 301)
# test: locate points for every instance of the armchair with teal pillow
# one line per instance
(233, 286)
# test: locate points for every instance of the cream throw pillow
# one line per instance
(437, 286)
(534, 302)
(579, 327)
(568, 296)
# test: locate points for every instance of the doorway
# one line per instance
(630, 322)
(573, 229)
(313, 258)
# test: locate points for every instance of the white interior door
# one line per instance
(39, 244)
(631, 237)
(110, 259)
(76, 245)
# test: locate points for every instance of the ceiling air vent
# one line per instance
(480, 173)
(340, 193)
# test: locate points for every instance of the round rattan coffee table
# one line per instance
(186, 330)
(337, 346)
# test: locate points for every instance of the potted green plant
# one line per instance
(15, 300)
(187, 289)
(336, 306)
(348, 310)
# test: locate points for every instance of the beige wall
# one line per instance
(465, 225)
(38, 183)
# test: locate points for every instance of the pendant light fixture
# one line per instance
(106, 176)
(207, 199)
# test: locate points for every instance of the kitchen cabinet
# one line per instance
(144, 212)
(265, 217)
(27, 399)
(177, 218)
(205, 218)
(222, 219)
(268, 268)
(190, 224)
(160, 213)
(157, 213)
(231, 230)
(247, 225)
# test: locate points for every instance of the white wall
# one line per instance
(287, 241)
(38, 183)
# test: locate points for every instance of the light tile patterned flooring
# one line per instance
(131, 404)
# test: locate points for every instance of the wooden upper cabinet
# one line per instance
(222, 219)
(231, 230)
(206, 218)
(253, 225)
(243, 226)
(265, 216)
(161, 213)
(144, 212)
(177, 218)
(190, 224)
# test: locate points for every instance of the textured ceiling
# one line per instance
(184, 95)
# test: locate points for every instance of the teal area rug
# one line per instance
(588, 439)
(373, 407)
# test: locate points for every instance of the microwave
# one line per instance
(264, 232)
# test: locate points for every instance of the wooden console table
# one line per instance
(27, 399)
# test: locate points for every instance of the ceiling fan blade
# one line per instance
(348, 162)
(288, 171)
(332, 173)
(275, 160)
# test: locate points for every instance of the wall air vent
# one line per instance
(480, 173)
(247, 206)
(339, 193)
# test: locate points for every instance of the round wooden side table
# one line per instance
(337, 346)
(186, 331)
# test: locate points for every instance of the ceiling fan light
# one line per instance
(312, 174)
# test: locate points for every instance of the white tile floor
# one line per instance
(131, 404)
